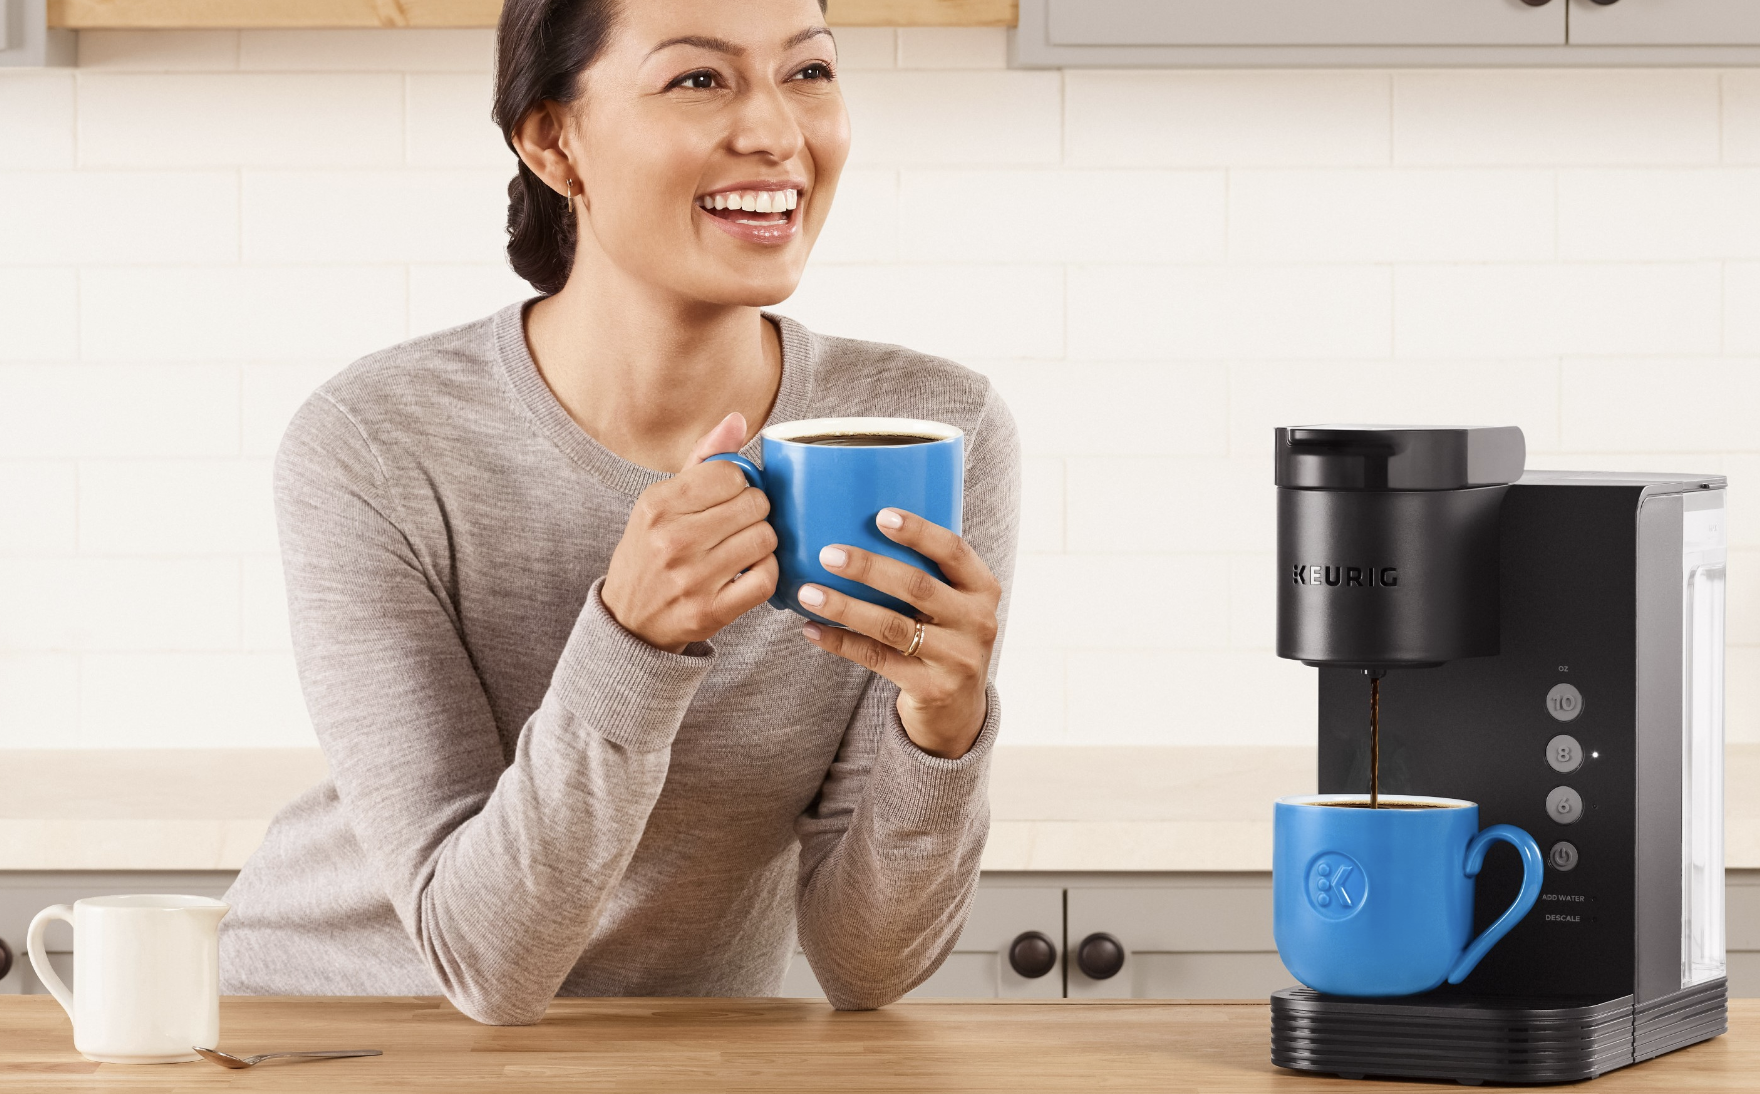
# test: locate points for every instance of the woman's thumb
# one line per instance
(725, 437)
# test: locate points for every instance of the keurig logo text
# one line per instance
(1363, 576)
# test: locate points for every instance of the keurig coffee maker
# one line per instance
(1549, 645)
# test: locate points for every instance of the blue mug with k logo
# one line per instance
(828, 479)
(1379, 902)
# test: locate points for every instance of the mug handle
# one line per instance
(33, 944)
(1533, 868)
(754, 477)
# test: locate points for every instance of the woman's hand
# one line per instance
(697, 551)
(941, 698)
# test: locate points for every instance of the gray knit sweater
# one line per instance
(524, 799)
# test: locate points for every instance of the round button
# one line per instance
(1564, 805)
(1564, 702)
(1563, 856)
(1564, 753)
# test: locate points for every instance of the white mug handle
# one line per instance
(33, 943)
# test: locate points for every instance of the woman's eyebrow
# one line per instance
(722, 45)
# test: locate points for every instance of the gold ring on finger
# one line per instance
(916, 641)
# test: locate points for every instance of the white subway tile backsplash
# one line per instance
(1173, 696)
(1223, 312)
(1741, 116)
(448, 124)
(955, 311)
(263, 597)
(1390, 215)
(447, 296)
(1622, 116)
(953, 47)
(1225, 119)
(39, 314)
(1743, 593)
(1741, 308)
(1742, 705)
(119, 217)
(126, 411)
(1045, 216)
(1115, 410)
(1490, 392)
(1682, 406)
(1743, 469)
(116, 604)
(865, 47)
(978, 118)
(252, 313)
(403, 49)
(36, 119)
(1033, 686)
(189, 120)
(1624, 215)
(1252, 595)
(1544, 309)
(1090, 601)
(192, 700)
(38, 507)
(863, 223)
(1162, 505)
(158, 50)
(176, 507)
(39, 700)
(374, 216)
(1042, 504)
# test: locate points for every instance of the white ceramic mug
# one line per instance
(146, 975)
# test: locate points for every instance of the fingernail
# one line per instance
(813, 595)
(811, 630)
(832, 558)
(891, 518)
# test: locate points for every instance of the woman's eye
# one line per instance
(818, 70)
(696, 81)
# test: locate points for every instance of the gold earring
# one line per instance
(569, 199)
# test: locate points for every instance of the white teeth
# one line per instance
(753, 201)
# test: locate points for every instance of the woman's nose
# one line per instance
(767, 126)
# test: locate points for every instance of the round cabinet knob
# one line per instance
(1032, 954)
(1604, 3)
(1540, 3)
(5, 959)
(1100, 956)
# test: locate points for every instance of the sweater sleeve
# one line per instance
(890, 847)
(498, 880)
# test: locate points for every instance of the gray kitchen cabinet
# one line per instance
(1304, 23)
(1665, 23)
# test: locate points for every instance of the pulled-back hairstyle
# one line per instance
(541, 48)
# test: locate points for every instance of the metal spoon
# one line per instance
(226, 1059)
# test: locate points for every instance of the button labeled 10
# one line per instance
(1564, 702)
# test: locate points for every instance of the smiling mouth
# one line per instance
(758, 208)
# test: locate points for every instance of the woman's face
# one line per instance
(708, 140)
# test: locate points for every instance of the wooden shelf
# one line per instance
(288, 14)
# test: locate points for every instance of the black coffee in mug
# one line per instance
(864, 440)
(1382, 805)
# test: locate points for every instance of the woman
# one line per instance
(570, 751)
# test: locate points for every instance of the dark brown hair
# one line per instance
(541, 48)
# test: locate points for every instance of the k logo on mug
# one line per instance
(1337, 886)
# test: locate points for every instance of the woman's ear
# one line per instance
(540, 140)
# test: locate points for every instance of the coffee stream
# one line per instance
(1374, 742)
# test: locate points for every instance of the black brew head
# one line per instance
(1387, 541)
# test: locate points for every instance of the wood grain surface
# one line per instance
(267, 14)
(768, 1045)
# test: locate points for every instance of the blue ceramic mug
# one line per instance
(828, 493)
(1378, 902)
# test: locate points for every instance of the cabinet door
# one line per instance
(1197, 938)
(1307, 22)
(978, 967)
(1665, 23)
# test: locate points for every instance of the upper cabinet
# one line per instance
(1386, 32)
(1305, 23)
(1665, 23)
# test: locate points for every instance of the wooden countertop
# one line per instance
(1054, 809)
(285, 14)
(769, 1045)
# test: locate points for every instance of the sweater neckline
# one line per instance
(552, 421)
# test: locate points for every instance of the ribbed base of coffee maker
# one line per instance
(1476, 1040)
